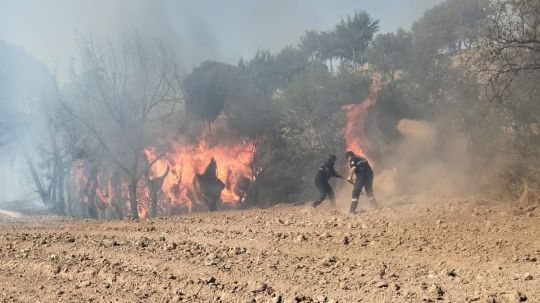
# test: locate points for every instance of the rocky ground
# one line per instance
(466, 250)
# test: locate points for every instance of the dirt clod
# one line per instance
(280, 254)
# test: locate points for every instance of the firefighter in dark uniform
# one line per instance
(326, 171)
(363, 178)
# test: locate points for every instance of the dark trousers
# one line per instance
(363, 181)
(325, 190)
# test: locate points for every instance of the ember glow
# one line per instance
(356, 115)
(80, 181)
(105, 190)
(94, 188)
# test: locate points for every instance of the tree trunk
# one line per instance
(153, 203)
(91, 188)
(61, 202)
(154, 189)
(53, 197)
(132, 189)
(116, 195)
(37, 181)
(92, 209)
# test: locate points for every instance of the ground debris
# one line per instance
(279, 255)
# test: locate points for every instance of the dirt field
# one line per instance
(441, 251)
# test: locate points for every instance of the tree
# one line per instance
(473, 21)
(261, 72)
(125, 97)
(512, 46)
(65, 142)
(390, 53)
(328, 48)
(353, 36)
(507, 63)
(451, 25)
(249, 112)
(347, 41)
(154, 187)
(289, 62)
(207, 88)
(34, 124)
(310, 44)
(305, 102)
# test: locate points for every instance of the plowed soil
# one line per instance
(443, 250)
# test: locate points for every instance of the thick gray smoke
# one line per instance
(24, 84)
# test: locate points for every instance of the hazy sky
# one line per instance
(198, 30)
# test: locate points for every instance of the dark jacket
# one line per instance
(326, 171)
(362, 165)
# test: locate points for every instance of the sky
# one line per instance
(197, 30)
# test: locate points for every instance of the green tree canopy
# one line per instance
(451, 25)
(354, 36)
(207, 88)
(390, 52)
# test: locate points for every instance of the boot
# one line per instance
(354, 205)
(373, 202)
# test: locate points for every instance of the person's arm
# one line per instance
(351, 173)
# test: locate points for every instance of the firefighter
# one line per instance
(363, 178)
(325, 172)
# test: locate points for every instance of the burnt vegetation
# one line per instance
(102, 145)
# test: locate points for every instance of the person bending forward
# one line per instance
(363, 178)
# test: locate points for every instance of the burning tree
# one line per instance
(154, 185)
(37, 129)
(125, 97)
(63, 145)
(199, 175)
(207, 187)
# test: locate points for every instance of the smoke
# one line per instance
(197, 30)
(24, 84)
(424, 162)
(193, 31)
(427, 162)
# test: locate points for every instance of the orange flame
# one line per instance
(233, 159)
(104, 190)
(80, 181)
(356, 114)
(83, 184)
(186, 160)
